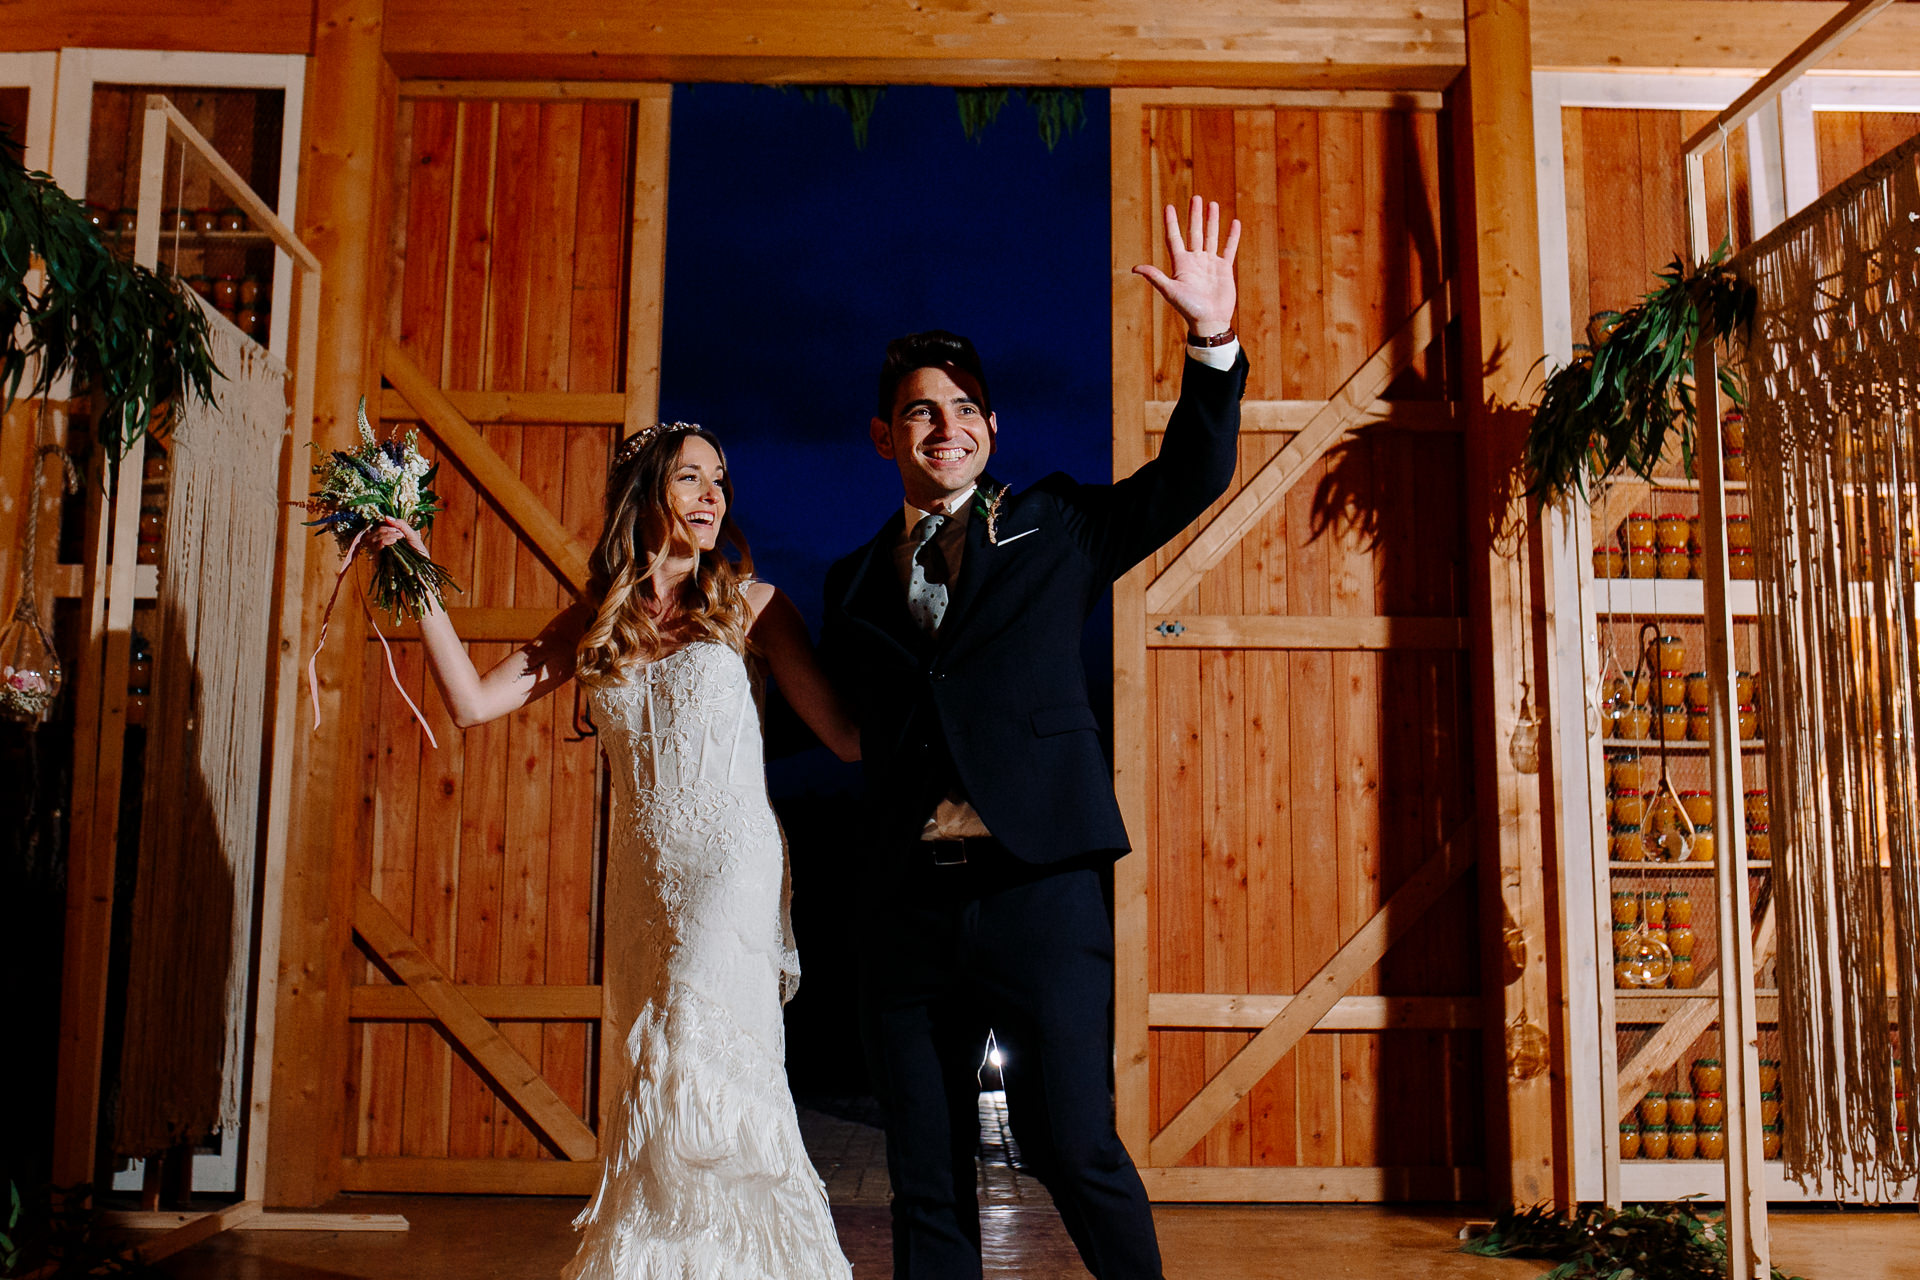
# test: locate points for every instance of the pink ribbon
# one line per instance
(326, 620)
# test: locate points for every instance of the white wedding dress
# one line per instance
(705, 1177)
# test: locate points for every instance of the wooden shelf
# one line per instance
(200, 239)
(1688, 747)
(1680, 868)
(1670, 597)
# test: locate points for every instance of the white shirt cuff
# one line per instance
(1215, 357)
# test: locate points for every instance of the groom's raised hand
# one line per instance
(1201, 287)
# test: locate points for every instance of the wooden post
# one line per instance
(342, 222)
(647, 273)
(1502, 342)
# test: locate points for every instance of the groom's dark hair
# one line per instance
(934, 349)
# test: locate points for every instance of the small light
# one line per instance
(995, 1057)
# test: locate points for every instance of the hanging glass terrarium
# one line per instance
(29, 667)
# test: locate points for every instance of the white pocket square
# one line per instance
(1015, 537)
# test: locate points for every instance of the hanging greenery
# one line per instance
(129, 333)
(1672, 1241)
(1057, 113)
(1631, 386)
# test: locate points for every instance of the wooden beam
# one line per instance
(230, 182)
(530, 90)
(1699, 35)
(544, 408)
(1502, 343)
(543, 1109)
(1224, 631)
(1313, 1184)
(1810, 53)
(1197, 99)
(514, 626)
(166, 1220)
(1269, 485)
(502, 487)
(478, 1176)
(370, 1003)
(1168, 1010)
(1316, 998)
(203, 1227)
(187, 26)
(1297, 415)
(647, 270)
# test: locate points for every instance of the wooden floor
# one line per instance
(481, 1238)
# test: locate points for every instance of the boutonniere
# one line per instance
(986, 505)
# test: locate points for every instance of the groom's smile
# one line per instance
(939, 435)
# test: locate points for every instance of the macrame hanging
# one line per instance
(1833, 447)
(182, 1062)
(30, 676)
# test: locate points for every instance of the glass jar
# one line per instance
(1673, 531)
(1653, 909)
(1635, 724)
(177, 219)
(1680, 1106)
(1643, 562)
(1622, 939)
(1742, 687)
(1682, 972)
(1698, 806)
(1629, 1140)
(250, 288)
(1653, 1142)
(126, 219)
(1640, 529)
(1624, 843)
(202, 285)
(1699, 723)
(246, 320)
(99, 216)
(1739, 533)
(232, 219)
(1769, 1074)
(1683, 1143)
(226, 292)
(1737, 465)
(1702, 842)
(1673, 722)
(1653, 1108)
(1609, 562)
(1709, 1077)
(1629, 808)
(1699, 689)
(1770, 1141)
(1757, 807)
(1626, 907)
(1674, 845)
(1740, 564)
(136, 708)
(1679, 908)
(1670, 654)
(1680, 939)
(1759, 842)
(206, 219)
(1675, 565)
(1712, 1109)
(1672, 686)
(1624, 770)
(1733, 428)
(1770, 1106)
(1713, 1142)
(1749, 722)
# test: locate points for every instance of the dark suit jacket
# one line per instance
(999, 701)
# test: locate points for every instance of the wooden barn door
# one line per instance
(527, 238)
(1298, 967)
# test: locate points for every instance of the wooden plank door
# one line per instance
(476, 1046)
(1297, 958)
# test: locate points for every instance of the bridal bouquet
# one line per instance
(357, 489)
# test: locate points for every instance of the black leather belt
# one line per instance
(953, 853)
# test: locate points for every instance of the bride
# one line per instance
(703, 1174)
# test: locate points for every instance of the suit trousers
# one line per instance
(1026, 952)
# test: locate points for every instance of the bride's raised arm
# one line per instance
(780, 635)
(529, 673)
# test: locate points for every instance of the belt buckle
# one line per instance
(949, 853)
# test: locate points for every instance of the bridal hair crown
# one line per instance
(633, 444)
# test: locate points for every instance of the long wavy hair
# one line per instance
(643, 529)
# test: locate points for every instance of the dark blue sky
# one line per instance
(793, 257)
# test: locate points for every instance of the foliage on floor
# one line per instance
(56, 1235)
(1672, 1241)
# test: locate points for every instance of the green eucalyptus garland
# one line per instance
(131, 333)
(1631, 387)
(1672, 1241)
(1057, 113)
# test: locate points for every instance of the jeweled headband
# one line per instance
(633, 444)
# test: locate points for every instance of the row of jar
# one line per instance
(1632, 842)
(241, 299)
(1674, 722)
(1684, 1142)
(1646, 959)
(1670, 547)
(1647, 562)
(1627, 775)
(178, 218)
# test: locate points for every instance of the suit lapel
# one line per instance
(976, 566)
(874, 598)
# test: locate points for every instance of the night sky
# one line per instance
(793, 257)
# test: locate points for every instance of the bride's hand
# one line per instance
(391, 530)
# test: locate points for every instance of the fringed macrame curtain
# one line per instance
(183, 1057)
(1833, 450)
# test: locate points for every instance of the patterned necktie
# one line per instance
(927, 594)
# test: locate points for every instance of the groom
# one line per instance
(955, 636)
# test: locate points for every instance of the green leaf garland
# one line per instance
(1672, 1241)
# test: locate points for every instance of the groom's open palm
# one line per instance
(1201, 287)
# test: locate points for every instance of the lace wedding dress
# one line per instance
(705, 1176)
